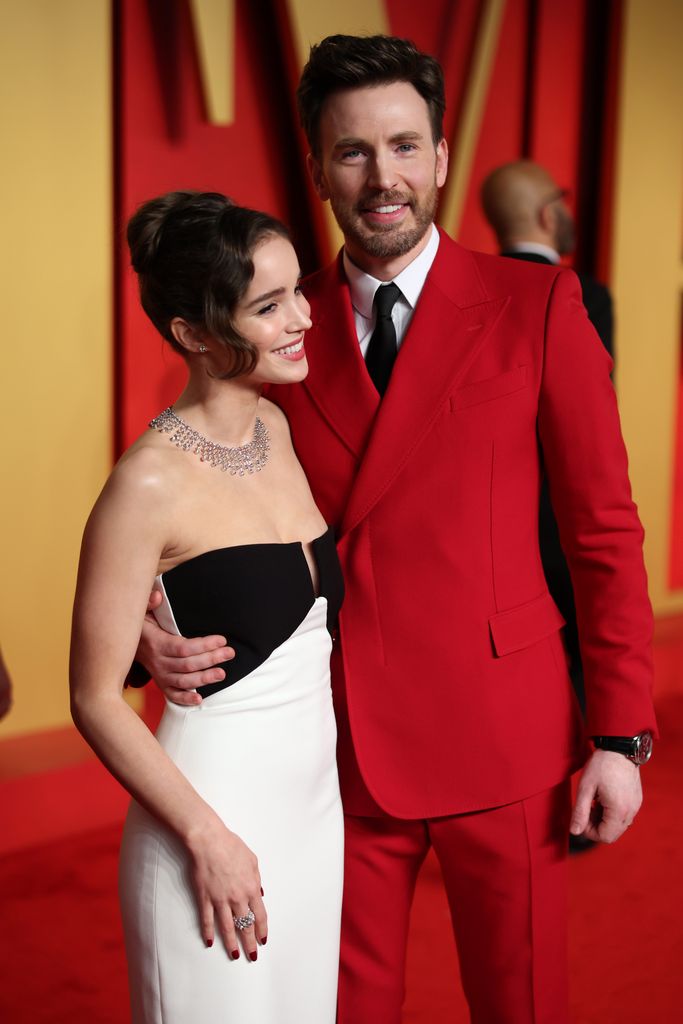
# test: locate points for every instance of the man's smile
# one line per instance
(384, 210)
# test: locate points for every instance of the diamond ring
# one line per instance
(245, 921)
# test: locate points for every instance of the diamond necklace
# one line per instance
(248, 458)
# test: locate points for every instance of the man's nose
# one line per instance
(382, 172)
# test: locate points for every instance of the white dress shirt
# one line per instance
(411, 282)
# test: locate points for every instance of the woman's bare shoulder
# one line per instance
(146, 476)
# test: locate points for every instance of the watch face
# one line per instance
(644, 748)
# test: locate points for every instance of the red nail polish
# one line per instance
(235, 954)
(253, 955)
(209, 943)
(262, 893)
(264, 940)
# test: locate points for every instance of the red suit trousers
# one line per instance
(505, 873)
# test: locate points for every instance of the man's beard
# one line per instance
(386, 241)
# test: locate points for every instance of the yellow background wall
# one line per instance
(55, 268)
(647, 278)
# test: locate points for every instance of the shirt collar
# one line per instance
(537, 248)
(411, 279)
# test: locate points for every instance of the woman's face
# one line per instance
(274, 315)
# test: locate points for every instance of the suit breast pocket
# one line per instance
(479, 391)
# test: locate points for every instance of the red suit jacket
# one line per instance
(450, 677)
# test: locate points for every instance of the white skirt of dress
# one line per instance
(262, 753)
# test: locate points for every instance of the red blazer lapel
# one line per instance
(338, 381)
(452, 320)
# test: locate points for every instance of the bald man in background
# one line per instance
(527, 210)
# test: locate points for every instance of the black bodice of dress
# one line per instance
(256, 595)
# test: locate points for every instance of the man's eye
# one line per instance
(406, 147)
(350, 154)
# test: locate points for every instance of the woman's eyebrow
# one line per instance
(266, 295)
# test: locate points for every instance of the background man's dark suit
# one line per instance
(598, 303)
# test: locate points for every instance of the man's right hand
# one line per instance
(179, 665)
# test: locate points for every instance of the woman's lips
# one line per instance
(291, 352)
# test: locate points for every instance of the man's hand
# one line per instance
(608, 798)
(179, 665)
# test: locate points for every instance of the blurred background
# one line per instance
(105, 103)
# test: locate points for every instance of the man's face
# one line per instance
(380, 169)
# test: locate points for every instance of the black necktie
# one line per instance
(381, 353)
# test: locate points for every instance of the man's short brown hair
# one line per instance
(352, 62)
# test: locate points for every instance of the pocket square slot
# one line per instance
(486, 390)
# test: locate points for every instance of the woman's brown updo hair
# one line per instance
(193, 254)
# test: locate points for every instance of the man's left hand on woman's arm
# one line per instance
(179, 664)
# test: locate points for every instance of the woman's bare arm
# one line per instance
(123, 541)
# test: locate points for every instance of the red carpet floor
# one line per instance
(62, 959)
(626, 915)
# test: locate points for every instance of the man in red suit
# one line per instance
(440, 379)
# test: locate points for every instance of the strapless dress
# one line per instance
(260, 749)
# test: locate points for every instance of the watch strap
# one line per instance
(619, 744)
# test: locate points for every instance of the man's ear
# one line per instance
(547, 220)
(186, 336)
(317, 177)
(441, 163)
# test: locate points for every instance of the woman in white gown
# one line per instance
(235, 834)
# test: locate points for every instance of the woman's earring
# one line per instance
(202, 348)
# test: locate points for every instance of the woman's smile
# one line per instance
(294, 352)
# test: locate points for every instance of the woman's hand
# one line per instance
(228, 884)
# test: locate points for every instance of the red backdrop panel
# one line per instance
(538, 104)
(501, 137)
(163, 140)
(556, 90)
